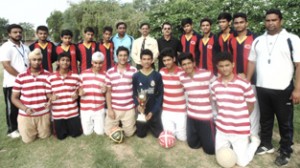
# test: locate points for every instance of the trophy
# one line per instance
(142, 98)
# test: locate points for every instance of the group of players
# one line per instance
(207, 101)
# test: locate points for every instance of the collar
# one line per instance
(235, 77)
(116, 67)
(282, 31)
(28, 72)
(68, 74)
(125, 35)
(13, 44)
(176, 69)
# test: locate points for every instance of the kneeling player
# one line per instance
(92, 95)
(235, 101)
(200, 125)
(150, 82)
(63, 87)
(30, 97)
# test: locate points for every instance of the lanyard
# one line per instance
(22, 53)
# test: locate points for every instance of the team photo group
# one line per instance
(220, 92)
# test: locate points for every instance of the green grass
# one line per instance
(99, 151)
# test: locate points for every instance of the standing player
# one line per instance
(174, 104)
(240, 46)
(226, 33)
(200, 124)
(119, 100)
(107, 48)
(14, 60)
(62, 88)
(29, 95)
(190, 39)
(235, 101)
(67, 47)
(208, 46)
(92, 96)
(149, 81)
(47, 47)
(86, 48)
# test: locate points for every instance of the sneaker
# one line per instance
(263, 150)
(282, 160)
(15, 134)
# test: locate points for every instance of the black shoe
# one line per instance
(282, 160)
(261, 150)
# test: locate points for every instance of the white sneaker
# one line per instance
(15, 134)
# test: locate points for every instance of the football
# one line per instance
(116, 134)
(166, 139)
(226, 157)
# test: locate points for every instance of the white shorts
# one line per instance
(240, 144)
(92, 121)
(176, 123)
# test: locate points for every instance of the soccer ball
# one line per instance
(226, 157)
(116, 134)
(166, 139)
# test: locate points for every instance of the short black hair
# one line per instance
(167, 52)
(225, 15)
(66, 32)
(42, 28)
(122, 48)
(121, 23)
(107, 28)
(206, 20)
(89, 29)
(223, 56)
(186, 21)
(274, 11)
(143, 24)
(13, 26)
(166, 23)
(185, 55)
(63, 54)
(242, 15)
(146, 52)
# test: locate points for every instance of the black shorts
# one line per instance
(67, 127)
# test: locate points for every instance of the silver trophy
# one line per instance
(142, 98)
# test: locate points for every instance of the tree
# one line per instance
(28, 31)
(55, 21)
(3, 32)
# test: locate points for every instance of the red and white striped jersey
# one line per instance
(33, 92)
(198, 93)
(64, 107)
(93, 99)
(121, 87)
(174, 100)
(231, 99)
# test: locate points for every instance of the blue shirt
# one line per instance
(126, 41)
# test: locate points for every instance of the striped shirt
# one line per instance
(173, 100)
(198, 93)
(233, 114)
(33, 92)
(93, 99)
(121, 87)
(64, 107)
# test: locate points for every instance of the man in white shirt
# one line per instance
(142, 43)
(276, 57)
(14, 58)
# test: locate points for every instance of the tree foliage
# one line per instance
(28, 30)
(3, 32)
(100, 13)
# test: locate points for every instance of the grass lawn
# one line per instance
(100, 151)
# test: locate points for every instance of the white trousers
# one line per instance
(254, 117)
(176, 123)
(241, 145)
(92, 122)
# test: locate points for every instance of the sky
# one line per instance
(33, 11)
